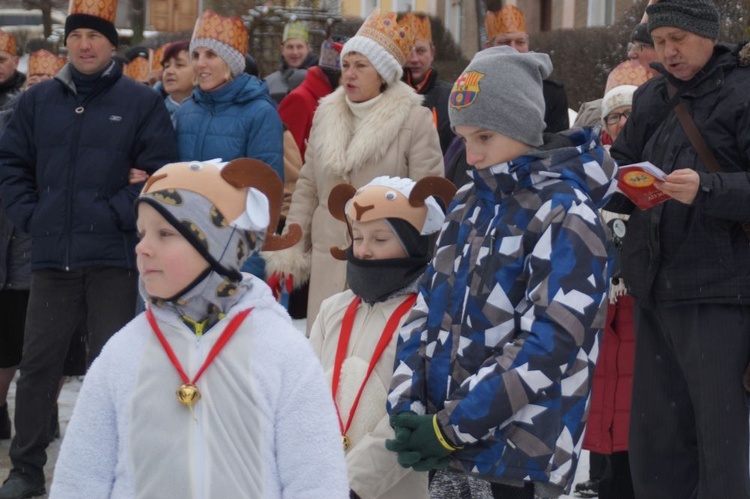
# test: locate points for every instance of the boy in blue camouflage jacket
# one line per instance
(495, 362)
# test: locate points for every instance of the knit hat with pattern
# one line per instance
(696, 16)
(501, 90)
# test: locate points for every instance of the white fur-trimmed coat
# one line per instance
(374, 472)
(397, 138)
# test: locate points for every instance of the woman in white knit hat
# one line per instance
(372, 125)
(231, 115)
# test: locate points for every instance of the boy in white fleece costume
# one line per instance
(390, 220)
(251, 419)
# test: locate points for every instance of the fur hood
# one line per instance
(343, 149)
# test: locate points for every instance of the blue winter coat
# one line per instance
(502, 341)
(64, 167)
(239, 120)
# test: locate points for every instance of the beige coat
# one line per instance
(373, 470)
(396, 138)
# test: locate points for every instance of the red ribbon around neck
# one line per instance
(234, 324)
(385, 339)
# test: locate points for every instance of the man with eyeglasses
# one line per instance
(641, 47)
(687, 262)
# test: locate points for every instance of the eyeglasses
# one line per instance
(614, 118)
(636, 47)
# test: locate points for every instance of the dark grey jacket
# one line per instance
(692, 253)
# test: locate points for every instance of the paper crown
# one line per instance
(627, 73)
(420, 25)
(227, 30)
(7, 42)
(103, 9)
(156, 57)
(509, 19)
(137, 69)
(43, 62)
(295, 30)
(397, 40)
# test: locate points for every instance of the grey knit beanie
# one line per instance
(501, 90)
(696, 16)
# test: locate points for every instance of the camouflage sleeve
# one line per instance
(408, 390)
(546, 361)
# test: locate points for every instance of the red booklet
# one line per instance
(636, 181)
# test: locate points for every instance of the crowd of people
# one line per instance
(482, 301)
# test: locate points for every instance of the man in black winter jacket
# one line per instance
(64, 163)
(687, 263)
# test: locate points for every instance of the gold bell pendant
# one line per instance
(345, 441)
(188, 394)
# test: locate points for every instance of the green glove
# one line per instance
(400, 443)
(426, 437)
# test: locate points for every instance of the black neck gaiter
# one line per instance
(378, 280)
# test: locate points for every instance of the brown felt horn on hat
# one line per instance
(337, 199)
(438, 187)
(246, 172)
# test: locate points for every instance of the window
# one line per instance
(601, 13)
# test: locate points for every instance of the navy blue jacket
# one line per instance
(64, 167)
(239, 120)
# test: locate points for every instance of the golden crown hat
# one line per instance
(43, 62)
(420, 25)
(295, 30)
(397, 40)
(509, 19)
(137, 69)
(156, 57)
(227, 30)
(627, 73)
(7, 43)
(103, 9)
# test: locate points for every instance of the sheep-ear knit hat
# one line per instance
(696, 16)
(98, 15)
(417, 204)
(622, 83)
(226, 36)
(7, 43)
(384, 42)
(225, 211)
(501, 90)
(411, 209)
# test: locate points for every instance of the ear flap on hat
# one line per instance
(246, 172)
(337, 199)
(432, 186)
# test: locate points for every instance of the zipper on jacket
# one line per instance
(79, 111)
(200, 464)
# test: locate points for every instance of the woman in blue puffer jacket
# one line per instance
(231, 115)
